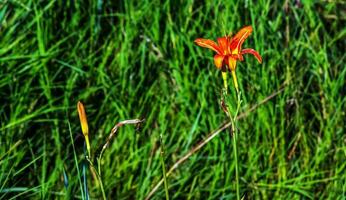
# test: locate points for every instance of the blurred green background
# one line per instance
(137, 59)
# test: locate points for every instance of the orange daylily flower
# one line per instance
(229, 50)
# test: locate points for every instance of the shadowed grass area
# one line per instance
(137, 59)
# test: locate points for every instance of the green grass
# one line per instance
(137, 59)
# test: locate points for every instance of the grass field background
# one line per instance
(137, 59)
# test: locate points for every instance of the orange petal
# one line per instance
(253, 52)
(208, 44)
(232, 63)
(223, 44)
(239, 38)
(240, 57)
(218, 60)
(237, 56)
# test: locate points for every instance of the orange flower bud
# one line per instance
(83, 118)
(84, 123)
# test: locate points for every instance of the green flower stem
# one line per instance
(235, 144)
(233, 126)
(235, 153)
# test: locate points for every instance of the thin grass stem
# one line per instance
(98, 179)
(163, 168)
(76, 161)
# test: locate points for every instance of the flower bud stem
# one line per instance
(235, 81)
(88, 145)
(224, 77)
